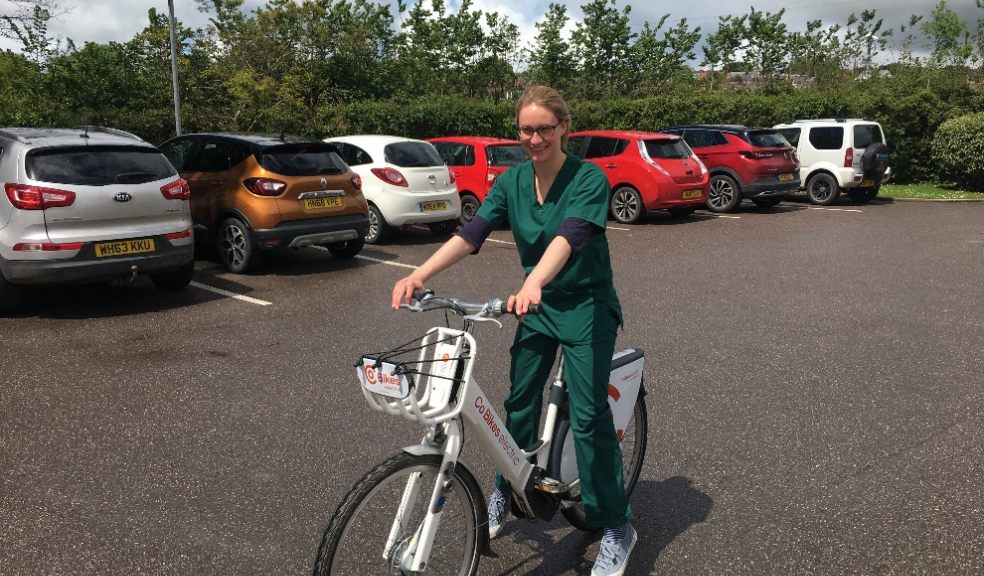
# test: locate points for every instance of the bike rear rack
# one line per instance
(425, 389)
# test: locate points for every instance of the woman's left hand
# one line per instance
(520, 302)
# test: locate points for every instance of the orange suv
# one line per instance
(254, 194)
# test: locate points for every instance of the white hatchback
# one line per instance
(405, 182)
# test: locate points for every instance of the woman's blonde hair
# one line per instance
(550, 99)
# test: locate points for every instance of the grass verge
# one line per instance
(926, 191)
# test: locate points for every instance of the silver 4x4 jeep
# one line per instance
(839, 154)
(87, 205)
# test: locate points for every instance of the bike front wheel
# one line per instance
(563, 462)
(375, 526)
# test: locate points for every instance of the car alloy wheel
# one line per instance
(469, 206)
(236, 246)
(724, 195)
(822, 189)
(626, 205)
(378, 228)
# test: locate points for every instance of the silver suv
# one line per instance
(87, 205)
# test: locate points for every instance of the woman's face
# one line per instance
(540, 132)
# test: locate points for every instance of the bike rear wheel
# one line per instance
(355, 542)
(563, 462)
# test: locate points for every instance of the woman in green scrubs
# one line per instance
(556, 206)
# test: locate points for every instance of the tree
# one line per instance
(602, 41)
(722, 46)
(551, 60)
(863, 40)
(948, 37)
(816, 52)
(767, 45)
(657, 61)
(28, 24)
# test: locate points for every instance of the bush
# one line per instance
(958, 151)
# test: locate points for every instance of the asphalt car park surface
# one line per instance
(815, 402)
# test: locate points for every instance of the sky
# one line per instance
(119, 20)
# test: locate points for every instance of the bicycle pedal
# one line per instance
(551, 486)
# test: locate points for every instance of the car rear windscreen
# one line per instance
(308, 159)
(98, 165)
(669, 149)
(412, 155)
(506, 155)
(767, 139)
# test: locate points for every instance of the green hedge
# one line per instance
(909, 119)
(958, 151)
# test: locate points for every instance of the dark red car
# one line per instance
(476, 162)
(758, 164)
(646, 170)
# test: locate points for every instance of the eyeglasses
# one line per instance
(546, 131)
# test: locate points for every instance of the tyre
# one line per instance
(725, 194)
(681, 211)
(822, 189)
(633, 453)
(235, 246)
(626, 205)
(347, 249)
(469, 206)
(445, 228)
(354, 542)
(10, 295)
(174, 279)
(770, 202)
(379, 230)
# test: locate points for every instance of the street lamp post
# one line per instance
(174, 70)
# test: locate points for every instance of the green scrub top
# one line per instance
(580, 304)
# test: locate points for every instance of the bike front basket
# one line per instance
(421, 380)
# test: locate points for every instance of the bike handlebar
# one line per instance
(493, 308)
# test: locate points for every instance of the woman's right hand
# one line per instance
(403, 290)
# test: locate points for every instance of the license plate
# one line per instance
(322, 203)
(786, 177)
(867, 183)
(432, 206)
(125, 247)
(687, 194)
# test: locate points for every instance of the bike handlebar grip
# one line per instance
(420, 294)
(533, 310)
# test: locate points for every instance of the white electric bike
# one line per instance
(422, 509)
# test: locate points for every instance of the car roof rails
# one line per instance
(114, 131)
(14, 136)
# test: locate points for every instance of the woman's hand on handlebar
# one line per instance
(403, 290)
(520, 302)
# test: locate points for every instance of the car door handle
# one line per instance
(611, 165)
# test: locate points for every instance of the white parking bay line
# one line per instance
(371, 259)
(239, 297)
(725, 216)
(500, 241)
(834, 209)
(617, 228)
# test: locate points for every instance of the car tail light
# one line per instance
(177, 190)
(47, 246)
(28, 197)
(357, 182)
(391, 176)
(700, 164)
(265, 186)
(492, 174)
(656, 165)
(756, 155)
(186, 233)
(451, 178)
(849, 157)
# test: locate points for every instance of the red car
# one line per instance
(476, 162)
(646, 170)
(758, 164)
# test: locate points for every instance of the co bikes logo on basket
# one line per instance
(371, 375)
